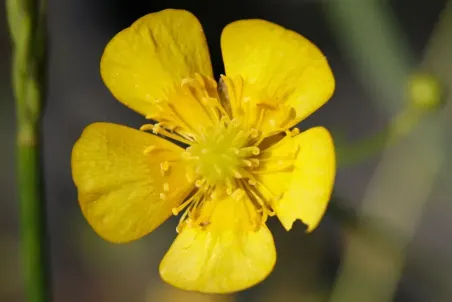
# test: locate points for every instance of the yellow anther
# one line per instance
(254, 161)
(254, 133)
(247, 163)
(165, 166)
(238, 194)
(166, 187)
(199, 183)
(252, 181)
(295, 131)
(255, 150)
(149, 149)
(229, 191)
(146, 127)
(237, 174)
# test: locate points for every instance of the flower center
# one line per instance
(223, 153)
(226, 158)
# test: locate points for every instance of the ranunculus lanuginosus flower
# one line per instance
(241, 160)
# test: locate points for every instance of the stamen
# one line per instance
(253, 133)
(196, 89)
(178, 118)
(248, 151)
(258, 204)
(200, 182)
(237, 174)
(255, 162)
(146, 127)
(157, 129)
(282, 168)
(295, 131)
(164, 167)
(238, 194)
(247, 163)
(229, 186)
(166, 187)
(191, 214)
(182, 206)
(149, 149)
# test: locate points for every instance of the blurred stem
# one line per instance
(404, 180)
(368, 34)
(27, 26)
(400, 125)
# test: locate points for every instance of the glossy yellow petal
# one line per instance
(307, 190)
(223, 255)
(123, 192)
(145, 65)
(276, 69)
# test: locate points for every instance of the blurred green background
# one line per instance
(386, 235)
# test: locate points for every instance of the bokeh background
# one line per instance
(386, 235)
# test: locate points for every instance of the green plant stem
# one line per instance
(32, 222)
(375, 45)
(401, 186)
(26, 20)
(400, 125)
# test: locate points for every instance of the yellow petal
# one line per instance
(280, 70)
(119, 187)
(224, 255)
(144, 65)
(307, 190)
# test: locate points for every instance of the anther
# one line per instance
(254, 133)
(229, 191)
(254, 161)
(247, 163)
(156, 128)
(162, 196)
(164, 167)
(186, 81)
(237, 174)
(149, 149)
(204, 223)
(146, 127)
(214, 195)
(256, 150)
(166, 187)
(238, 194)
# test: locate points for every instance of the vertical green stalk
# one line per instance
(27, 25)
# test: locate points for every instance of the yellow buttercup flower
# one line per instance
(240, 163)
